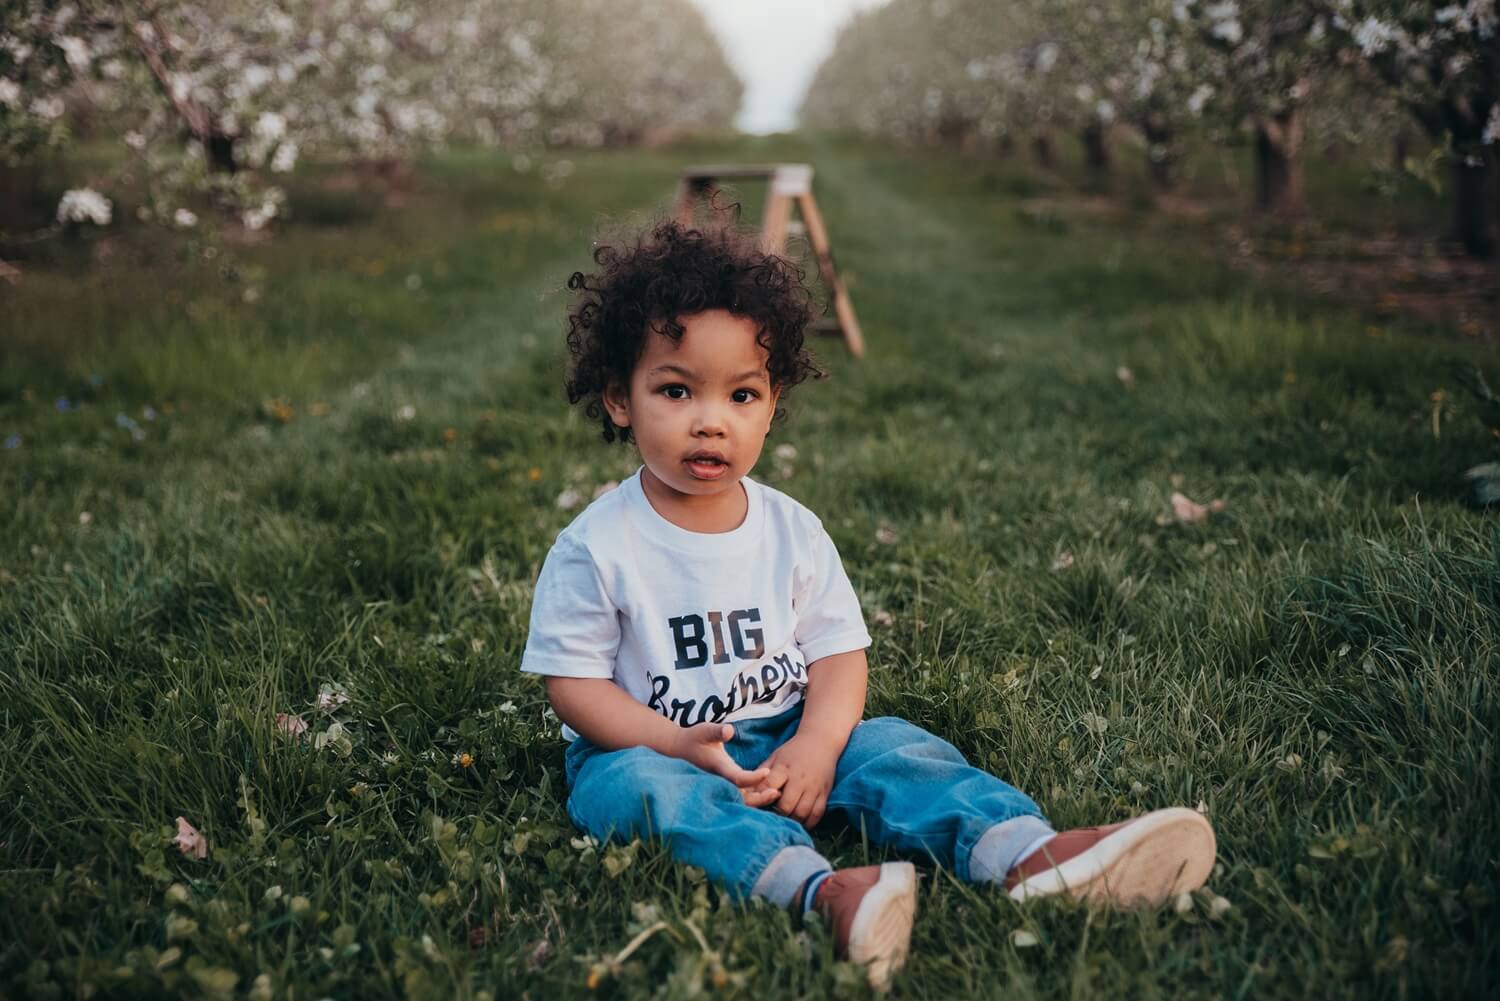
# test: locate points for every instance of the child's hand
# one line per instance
(703, 745)
(803, 770)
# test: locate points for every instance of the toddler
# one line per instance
(705, 650)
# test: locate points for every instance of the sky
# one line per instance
(775, 46)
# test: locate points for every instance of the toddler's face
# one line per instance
(708, 397)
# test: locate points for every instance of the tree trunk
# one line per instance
(220, 150)
(953, 131)
(1400, 149)
(1159, 158)
(1278, 165)
(1473, 209)
(1005, 146)
(1495, 190)
(1095, 148)
(1041, 149)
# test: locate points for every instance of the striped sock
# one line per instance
(810, 889)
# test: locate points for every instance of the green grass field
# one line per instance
(345, 481)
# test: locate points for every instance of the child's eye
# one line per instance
(750, 393)
(668, 391)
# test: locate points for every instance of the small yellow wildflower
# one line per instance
(534, 473)
(279, 409)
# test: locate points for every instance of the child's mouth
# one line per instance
(706, 469)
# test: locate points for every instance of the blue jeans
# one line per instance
(909, 791)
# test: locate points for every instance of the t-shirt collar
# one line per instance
(654, 524)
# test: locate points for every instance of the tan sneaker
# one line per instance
(871, 909)
(1142, 862)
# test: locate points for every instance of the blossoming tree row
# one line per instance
(214, 96)
(989, 71)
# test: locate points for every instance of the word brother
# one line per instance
(719, 640)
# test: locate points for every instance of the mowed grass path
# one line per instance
(350, 483)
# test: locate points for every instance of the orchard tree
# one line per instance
(217, 96)
(631, 67)
(958, 72)
(1274, 52)
(876, 80)
(1131, 63)
(1442, 60)
(212, 96)
(37, 60)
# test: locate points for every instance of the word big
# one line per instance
(690, 636)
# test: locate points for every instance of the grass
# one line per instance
(349, 485)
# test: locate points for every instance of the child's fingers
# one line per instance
(816, 813)
(791, 798)
(760, 796)
(740, 776)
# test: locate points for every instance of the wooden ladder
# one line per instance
(790, 182)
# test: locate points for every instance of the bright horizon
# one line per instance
(776, 46)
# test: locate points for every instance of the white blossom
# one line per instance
(84, 205)
(1199, 97)
(1046, 56)
(285, 158)
(1230, 30)
(185, 218)
(76, 51)
(48, 108)
(1374, 35)
(269, 127)
(256, 218)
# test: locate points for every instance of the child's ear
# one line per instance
(775, 396)
(616, 400)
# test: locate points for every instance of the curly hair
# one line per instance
(672, 271)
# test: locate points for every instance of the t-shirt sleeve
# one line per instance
(575, 628)
(829, 619)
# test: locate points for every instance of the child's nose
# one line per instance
(709, 420)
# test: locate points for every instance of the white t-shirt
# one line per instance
(699, 626)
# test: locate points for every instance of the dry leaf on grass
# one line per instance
(189, 841)
(290, 725)
(330, 697)
(1187, 510)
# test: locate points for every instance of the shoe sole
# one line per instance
(880, 935)
(1143, 864)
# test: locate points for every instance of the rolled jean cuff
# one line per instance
(784, 875)
(999, 848)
